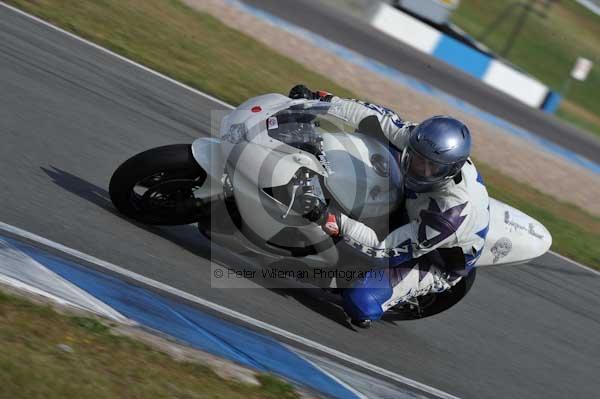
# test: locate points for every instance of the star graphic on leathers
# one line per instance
(436, 225)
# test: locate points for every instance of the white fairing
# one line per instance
(359, 172)
(513, 237)
(207, 152)
(260, 162)
(364, 190)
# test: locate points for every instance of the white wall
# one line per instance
(405, 28)
(515, 84)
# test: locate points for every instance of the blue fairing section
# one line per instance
(483, 233)
(479, 178)
(471, 259)
(363, 301)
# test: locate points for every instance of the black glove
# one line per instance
(301, 91)
(311, 206)
(326, 216)
(318, 214)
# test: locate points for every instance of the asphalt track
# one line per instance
(349, 31)
(70, 114)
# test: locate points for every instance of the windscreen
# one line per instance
(299, 126)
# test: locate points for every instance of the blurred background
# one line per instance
(547, 39)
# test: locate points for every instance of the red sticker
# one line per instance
(256, 109)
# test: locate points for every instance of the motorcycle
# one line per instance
(242, 190)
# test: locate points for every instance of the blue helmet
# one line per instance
(437, 149)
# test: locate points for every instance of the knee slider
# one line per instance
(365, 303)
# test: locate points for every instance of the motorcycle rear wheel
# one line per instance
(432, 304)
(156, 186)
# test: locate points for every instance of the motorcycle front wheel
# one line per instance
(156, 186)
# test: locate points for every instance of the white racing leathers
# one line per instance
(354, 111)
(453, 217)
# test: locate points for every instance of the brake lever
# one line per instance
(295, 188)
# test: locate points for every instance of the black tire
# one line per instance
(432, 304)
(169, 174)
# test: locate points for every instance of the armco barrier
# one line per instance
(502, 77)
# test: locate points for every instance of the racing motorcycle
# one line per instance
(242, 190)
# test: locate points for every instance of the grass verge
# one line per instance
(576, 115)
(51, 355)
(200, 51)
(547, 47)
(189, 46)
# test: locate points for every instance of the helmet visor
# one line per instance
(421, 169)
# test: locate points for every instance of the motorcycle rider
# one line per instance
(445, 200)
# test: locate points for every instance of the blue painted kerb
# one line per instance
(552, 102)
(462, 57)
(191, 325)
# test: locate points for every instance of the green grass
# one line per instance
(200, 51)
(591, 123)
(546, 48)
(99, 364)
(192, 47)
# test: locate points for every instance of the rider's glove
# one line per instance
(315, 210)
(331, 226)
(301, 91)
(310, 205)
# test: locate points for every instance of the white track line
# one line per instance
(571, 261)
(224, 310)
